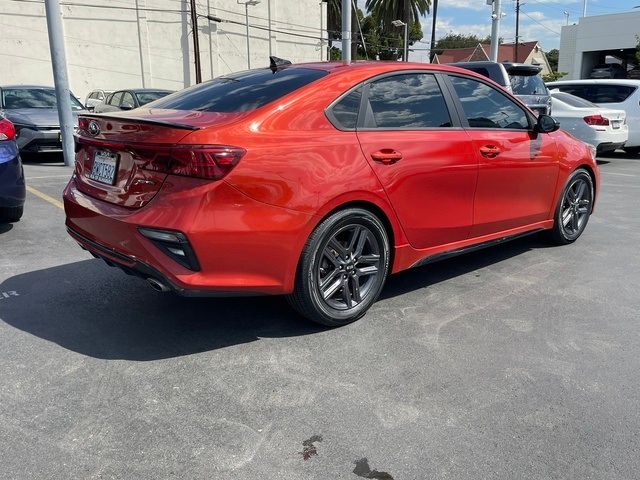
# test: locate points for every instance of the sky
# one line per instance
(540, 20)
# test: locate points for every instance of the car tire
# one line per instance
(633, 151)
(574, 208)
(342, 269)
(11, 214)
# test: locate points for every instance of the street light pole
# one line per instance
(584, 8)
(566, 14)
(433, 31)
(60, 78)
(496, 16)
(400, 23)
(346, 30)
(246, 21)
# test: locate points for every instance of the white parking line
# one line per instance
(49, 176)
(621, 174)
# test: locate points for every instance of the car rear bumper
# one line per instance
(12, 186)
(242, 246)
(609, 147)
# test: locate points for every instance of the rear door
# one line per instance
(421, 155)
(518, 168)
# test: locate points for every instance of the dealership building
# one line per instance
(598, 39)
(122, 44)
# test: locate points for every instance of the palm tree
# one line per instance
(409, 11)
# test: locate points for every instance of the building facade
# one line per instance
(598, 39)
(148, 43)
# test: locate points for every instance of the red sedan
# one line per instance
(318, 180)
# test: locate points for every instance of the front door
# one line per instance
(518, 168)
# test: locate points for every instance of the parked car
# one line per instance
(608, 70)
(96, 97)
(634, 73)
(34, 112)
(318, 180)
(521, 79)
(604, 128)
(130, 99)
(614, 94)
(12, 187)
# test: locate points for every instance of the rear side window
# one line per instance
(485, 107)
(115, 99)
(407, 101)
(240, 92)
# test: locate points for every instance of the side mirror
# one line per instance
(546, 124)
(126, 106)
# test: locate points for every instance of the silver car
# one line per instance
(96, 97)
(34, 112)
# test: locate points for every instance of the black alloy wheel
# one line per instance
(342, 269)
(574, 208)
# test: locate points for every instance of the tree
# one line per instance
(552, 56)
(459, 40)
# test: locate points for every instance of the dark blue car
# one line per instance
(12, 187)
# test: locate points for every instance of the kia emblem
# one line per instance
(93, 128)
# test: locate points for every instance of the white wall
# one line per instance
(148, 43)
(597, 33)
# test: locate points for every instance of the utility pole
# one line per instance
(60, 78)
(566, 14)
(496, 16)
(517, 30)
(346, 30)
(407, 15)
(196, 42)
(433, 31)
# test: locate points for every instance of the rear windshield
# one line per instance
(573, 101)
(609, 93)
(240, 92)
(33, 98)
(146, 97)
(527, 85)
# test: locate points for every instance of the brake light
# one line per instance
(83, 123)
(596, 120)
(202, 161)
(7, 130)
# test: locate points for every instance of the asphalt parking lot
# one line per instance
(520, 361)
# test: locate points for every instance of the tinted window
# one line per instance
(527, 85)
(33, 98)
(115, 99)
(346, 110)
(599, 93)
(240, 92)
(485, 107)
(407, 101)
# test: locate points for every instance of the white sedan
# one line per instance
(604, 128)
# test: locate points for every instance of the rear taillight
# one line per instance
(596, 120)
(7, 130)
(202, 161)
(83, 123)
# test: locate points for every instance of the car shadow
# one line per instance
(98, 311)
(5, 227)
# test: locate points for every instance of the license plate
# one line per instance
(104, 167)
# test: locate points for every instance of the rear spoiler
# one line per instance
(140, 120)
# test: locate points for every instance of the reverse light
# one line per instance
(596, 120)
(7, 130)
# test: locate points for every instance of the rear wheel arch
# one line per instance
(592, 174)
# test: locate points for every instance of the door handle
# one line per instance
(386, 156)
(490, 151)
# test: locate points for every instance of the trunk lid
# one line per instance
(114, 152)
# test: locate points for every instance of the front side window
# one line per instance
(115, 99)
(485, 107)
(407, 101)
(127, 100)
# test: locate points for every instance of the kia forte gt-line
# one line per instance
(318, 180)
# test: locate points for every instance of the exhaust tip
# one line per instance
(157, 286)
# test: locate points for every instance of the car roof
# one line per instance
(604, 81)
(143, 90)
(27, 87)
